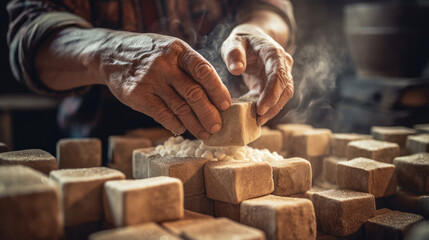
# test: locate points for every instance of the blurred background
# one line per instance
(354, 68)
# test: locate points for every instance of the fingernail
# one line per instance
(262, 121)
(264, 109)
(215, 128)
(236, 66)
(224, 105)
(204, 135)
(179, 131)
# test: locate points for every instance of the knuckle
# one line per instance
(163, 116)
(194, 95)
(203, 70)
(182, 110)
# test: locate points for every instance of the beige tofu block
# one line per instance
(330, 168)
(291, 176)
(82, 190)
(131, 202)
(3, 148)
(33, 158)
(373, 149)
(79, 153)
(366, 175)
(141, 162)
(221, 228)
(239, 126)
(418, 143)
(29, 205)
(121, 148)
(339, 141)
(341, 212)
(189, 219)
(200, 203)
(316, 167)
(155, 135)
(410, 202)
(234, 182)
(228, 210)
(126, 169)
(288, 130)
(412, 172)
(388, 224)
(270, 139)
(280, 217)
(422, 128)
(312, 143)
(189, 170)
(147, 231)
(393, 134)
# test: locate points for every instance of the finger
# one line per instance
(284, 98)
(155, 108)
(194, 95)
(279, 79)
(203, 72)
(184, 112)
(234, 55)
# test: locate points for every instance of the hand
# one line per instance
(265, 66)
(163, 77)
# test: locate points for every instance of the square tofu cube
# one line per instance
(373, 149)
(190, 170)
(410, 202)
(29, 205)
(234, 182)
(413, 172)
(3, 147)
(221, 228)
(270, 139)
(422, 128)
(341, 212)
(366, 175)
(339, 141)
(200, 204)
(393, 134)
(239, 126)
(121, 148)
(291, 176)
(418, 143)
(388, 224)
(330, 168)
(155, 135)
(312, 143)
(126, 169)
(189, 219)
(288, 130)
(143, 231)
(131, 202)
(79, 153)
(280, 217)
(141, 162)
(82, 190)
(35, 158)
(228, 210)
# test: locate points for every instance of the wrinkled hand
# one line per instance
(265, 66)
(163, 77)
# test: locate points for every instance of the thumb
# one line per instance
(234, 55)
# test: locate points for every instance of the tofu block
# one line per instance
(221, 228)
(270, 139)
(189, 219)
(393, 134)
(390, 224)
(288, 130)
(126, 169)
(373, 149)
(422, 128)
(155, 135)
(79, 153)
(140, 162)
(3, 148)
(35, 158)
(29, 205)
(291, 176)
(121, 148)
(339, 141)
(200, 203)
(234, 182)
(341, 212)
(147, 231)
(131, 202)
(330, 168)
(82, 190)
(190, 170)
(418, 143)
(367, 175)
(413, 172)
(280, 217)
(312, 143)
(228, 210)
(239, 126)
(316, 167)
(410, 202)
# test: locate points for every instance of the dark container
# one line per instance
(388, 39)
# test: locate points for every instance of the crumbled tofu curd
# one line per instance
(179, 147)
